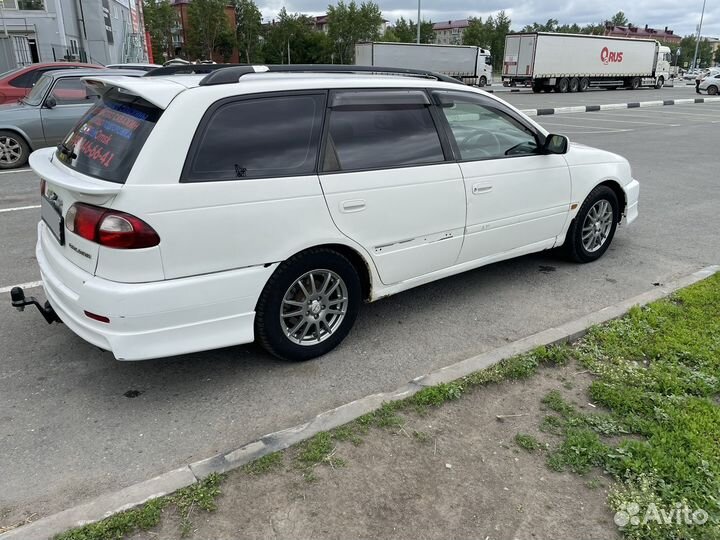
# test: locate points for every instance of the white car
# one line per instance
(711, 83)
(191, 212)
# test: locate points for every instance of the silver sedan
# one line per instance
(56, 103)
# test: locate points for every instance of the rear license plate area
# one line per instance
(52, 218)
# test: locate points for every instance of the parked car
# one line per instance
(191, 212)
(42, 118)
(17, 83)
(137, 66)
(711, 83)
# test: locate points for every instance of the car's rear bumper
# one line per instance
(152, 320)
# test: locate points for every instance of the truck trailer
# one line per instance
(472, 65)
(576, 62)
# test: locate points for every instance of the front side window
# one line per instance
(384, 132)
(71, 91)
(259, 138)
(37, 93)
(484, 131)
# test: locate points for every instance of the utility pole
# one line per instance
(697, 41)
(418, 24)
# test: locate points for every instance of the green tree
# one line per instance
(389, 36)
(716, 58)
(209, 27)
(477, 33)
(248, 29)
(619, 19)
(349, 24)
(291, 39)
(403, 32)
(160, 21)
(687, 50)
(406, 31)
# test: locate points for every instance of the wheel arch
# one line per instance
(619, 193)
(21, 133)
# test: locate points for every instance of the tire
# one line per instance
(712, 90)
(547, 89)
(584, 84)
(537, 88)
(563, 85)
(272, 329)
(483, 81)
(575, 248)
(660, 83)
(14, 151)
(634, 83)
(574, 85)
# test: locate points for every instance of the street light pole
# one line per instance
(418, 24)
(697, 41)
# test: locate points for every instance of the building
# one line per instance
(95, 31)
(665, 36)
(451, 32)
(180, 35)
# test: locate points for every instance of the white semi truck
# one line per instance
(472, 65)
(576, 62)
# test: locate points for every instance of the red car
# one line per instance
(17, 83)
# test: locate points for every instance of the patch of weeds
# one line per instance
(422, 437)
(318, 450)
(438, 394)
(202, 494)
(385, 416)
(527, 442)
(656, 371)
(553, 424)
(579, 452)
(265, 464)
(348, 432)
(554, 401)
(594, 483)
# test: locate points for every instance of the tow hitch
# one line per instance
(17, 296)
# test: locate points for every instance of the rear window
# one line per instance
(106, 142)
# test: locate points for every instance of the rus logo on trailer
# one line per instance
(608, 57)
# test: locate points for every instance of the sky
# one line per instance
(682, 16)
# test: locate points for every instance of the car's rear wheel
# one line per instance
(308, 305)
(584, 84)
(563, 85)
(593, 228)
(634, 83)
(712, 90)
(574, 84)
(14, 151)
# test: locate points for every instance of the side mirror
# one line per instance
(556, 144)
(50, 102)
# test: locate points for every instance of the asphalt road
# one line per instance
(69, 429)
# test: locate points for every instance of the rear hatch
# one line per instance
(90, 167)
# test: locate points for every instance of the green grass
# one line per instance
(271, 462)
(656, 371)
(527, 442)
(200, 495)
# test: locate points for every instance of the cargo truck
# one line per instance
(576, 62)
(472, 65)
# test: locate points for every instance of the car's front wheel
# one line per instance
(593, 228)
(309, 305)
(14, 151)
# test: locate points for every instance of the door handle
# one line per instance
(478, 189)
(355, 205)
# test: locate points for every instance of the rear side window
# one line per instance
(109, 137)
(258, 138)
(385, 130)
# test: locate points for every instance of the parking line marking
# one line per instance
(18, 208)
(28, 285)
(16, 171)
(633, 122)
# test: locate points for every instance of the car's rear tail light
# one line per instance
(110, 228)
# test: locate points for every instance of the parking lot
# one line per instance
(76, 423)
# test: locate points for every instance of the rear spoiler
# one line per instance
(43, 163)
(159, 92)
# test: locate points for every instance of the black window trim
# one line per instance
(492, 104)
(186, 176)
(444, 142)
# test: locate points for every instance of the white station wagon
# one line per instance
(191, 212)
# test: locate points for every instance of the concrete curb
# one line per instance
(619, 106)
(112, 503)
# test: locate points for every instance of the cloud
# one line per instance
(682, 17)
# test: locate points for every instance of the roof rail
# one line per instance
(229, 74)
(187, 69)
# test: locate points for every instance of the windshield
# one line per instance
(106, 141)
(38, 91)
